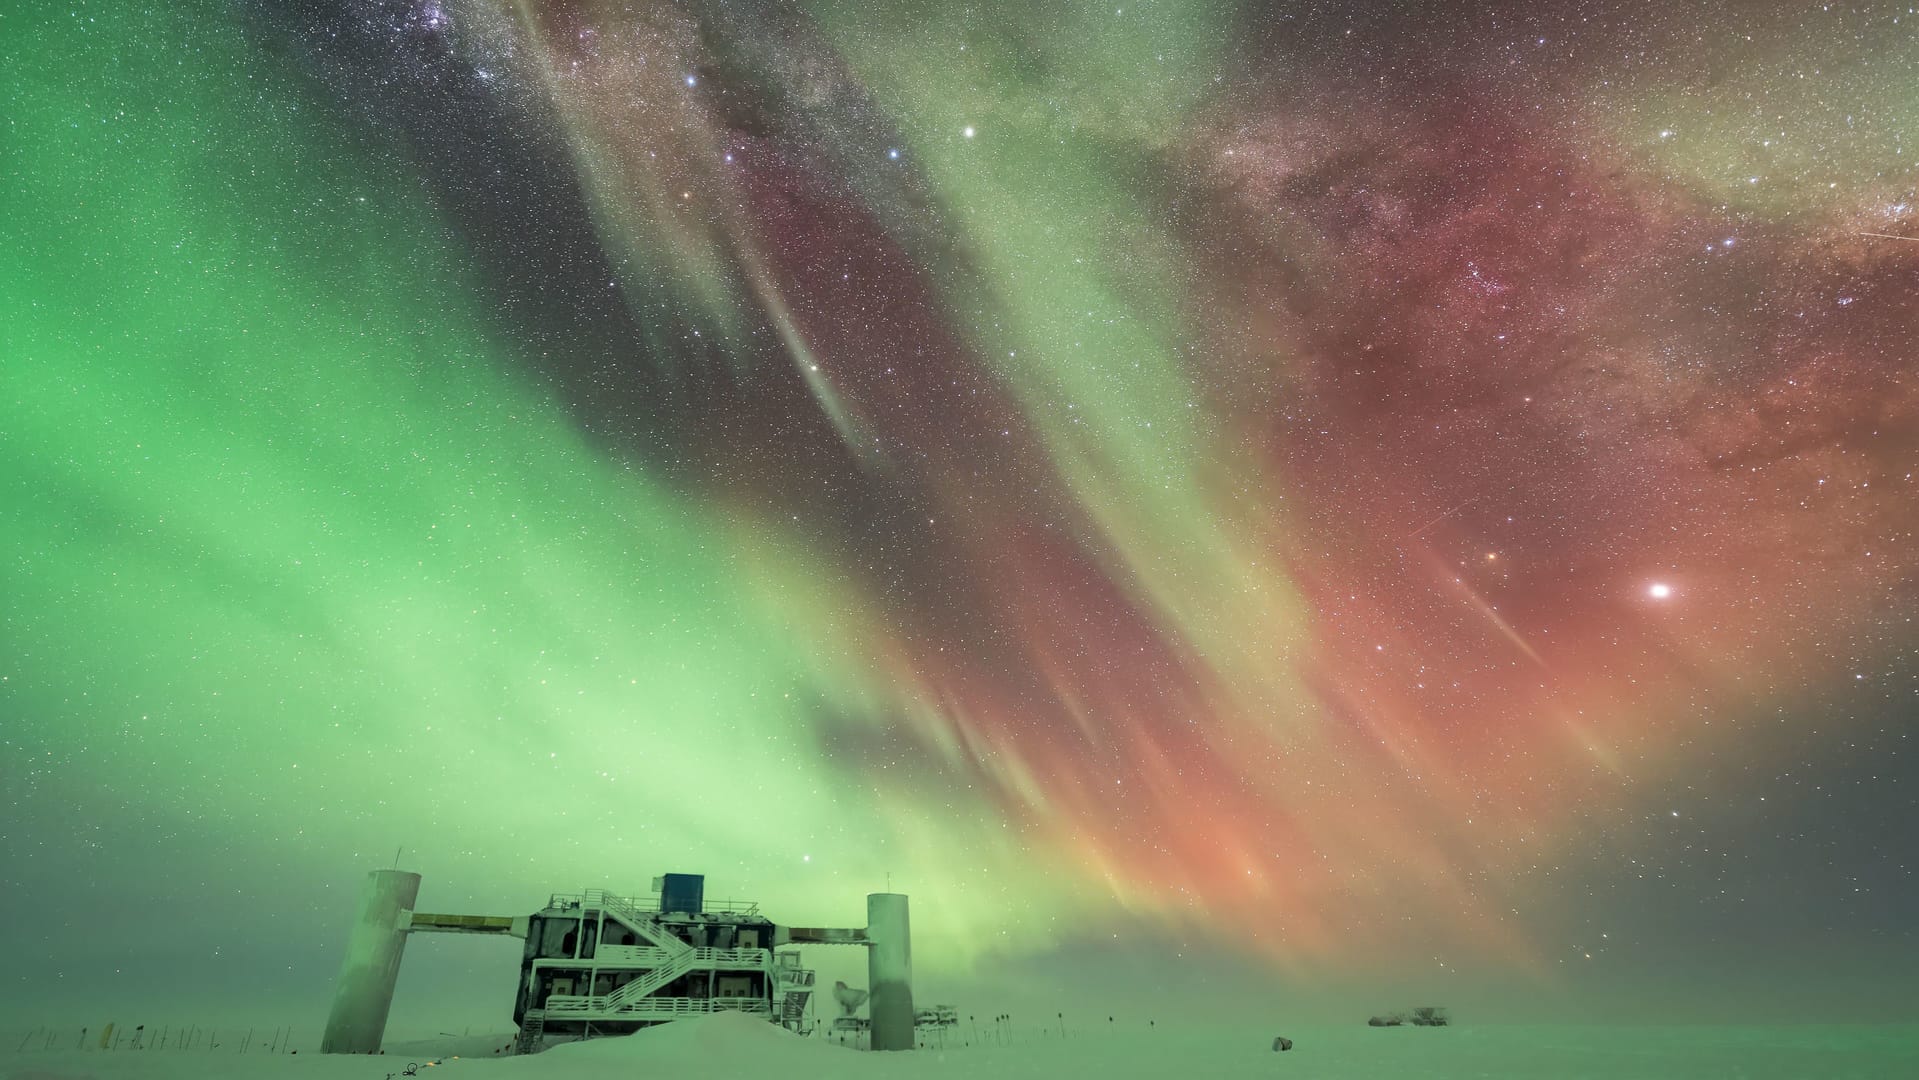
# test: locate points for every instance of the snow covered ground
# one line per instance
(728, 1046)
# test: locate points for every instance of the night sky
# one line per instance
(1346, 498)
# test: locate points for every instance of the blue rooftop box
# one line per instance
(682, 892)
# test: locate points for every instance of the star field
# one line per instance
(1379, 488)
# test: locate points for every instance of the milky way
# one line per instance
(1296, 468)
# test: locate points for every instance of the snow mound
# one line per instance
(720, 1047)
(721, 1035)
(733, 1047)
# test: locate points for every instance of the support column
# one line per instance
(364, 994)
(889, 972)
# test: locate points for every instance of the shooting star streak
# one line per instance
(1417, 533)
(1480, 604)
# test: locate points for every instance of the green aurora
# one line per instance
(1269, 608)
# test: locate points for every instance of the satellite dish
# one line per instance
(850, 998)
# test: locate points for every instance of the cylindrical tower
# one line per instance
(364, 995)
(889, 971)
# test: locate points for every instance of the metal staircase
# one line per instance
(793, 1008)
(676, 965)
(639, 920)
(532, 1031)
(680, 957)
(668, 958)
(795, 989)
(632, 998)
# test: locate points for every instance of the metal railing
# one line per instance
(652, 980)
(650, 1008)
(690, 960)
(669, 957)
(731, 959)
(645, 922)
(617, 957)
(636, 955)
(649, 904)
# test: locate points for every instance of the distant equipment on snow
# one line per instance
(936, 1016)
(1423, 1016)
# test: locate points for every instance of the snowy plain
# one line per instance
(726, 1047)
